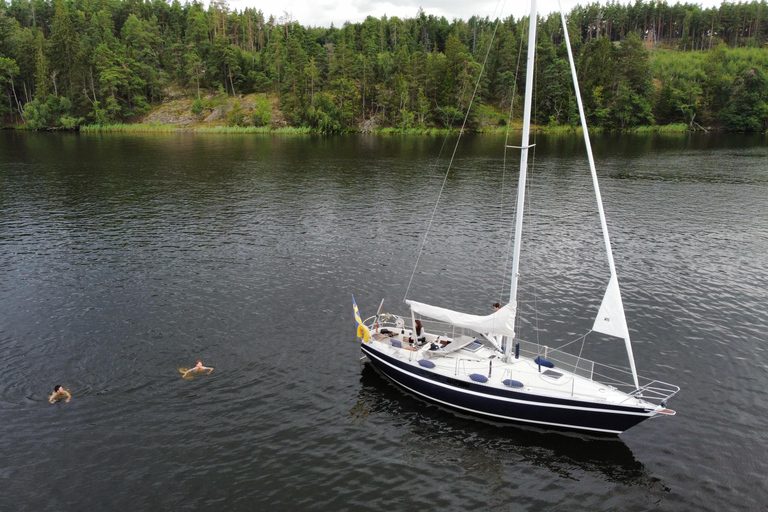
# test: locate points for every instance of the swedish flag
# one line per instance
(362, 330)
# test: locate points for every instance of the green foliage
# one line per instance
(450, 116)
(631, 108)
(197, 106)
(123, 127)
(641, 64)
(54, 113)
(488, 118)
(140, 128)
(100, 115)
(747, 111)
(236, 115)
(555, 92)
(324, 115)
(8, 70)
(262, 112)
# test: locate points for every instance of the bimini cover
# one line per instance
(500, 322)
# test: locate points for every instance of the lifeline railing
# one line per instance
(651, 390)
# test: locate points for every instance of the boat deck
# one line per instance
(466, 359)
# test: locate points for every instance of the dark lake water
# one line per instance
(126, 257)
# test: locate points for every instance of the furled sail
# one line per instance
(610, 318)
(500, 322)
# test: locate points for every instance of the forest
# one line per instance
(70, 63)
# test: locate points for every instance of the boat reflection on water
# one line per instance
(439, 430)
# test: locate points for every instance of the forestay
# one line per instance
(610, 318)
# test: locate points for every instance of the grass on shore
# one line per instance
(253, 129)
(168, 128)
(668, 128)
(413, 131)
(123, 127)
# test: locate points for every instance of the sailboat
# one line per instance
(474, 364)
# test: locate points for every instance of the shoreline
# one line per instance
(289, 130)
(214, 114)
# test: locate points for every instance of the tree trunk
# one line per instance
(18, 104)
(92, 86)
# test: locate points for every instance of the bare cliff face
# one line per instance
(212, 110)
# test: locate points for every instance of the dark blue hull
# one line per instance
(507, 405)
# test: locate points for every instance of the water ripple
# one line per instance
(123, 259)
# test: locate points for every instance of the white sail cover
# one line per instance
(610, 318)
(500, 322)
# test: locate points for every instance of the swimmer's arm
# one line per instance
(52, 398)
(186, 373)
(68, 396)
(209, 370)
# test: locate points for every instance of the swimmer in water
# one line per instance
(59, 393)
(198, 369)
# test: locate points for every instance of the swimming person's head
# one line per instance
(56, 388)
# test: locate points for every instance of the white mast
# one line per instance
(610, 319)
(523, 163)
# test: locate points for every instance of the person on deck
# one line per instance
(496, 306)
(59, 393)
(420, 337)
(198, 369)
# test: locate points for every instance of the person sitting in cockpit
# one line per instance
(420, 334)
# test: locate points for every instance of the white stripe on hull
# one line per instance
(505, 399)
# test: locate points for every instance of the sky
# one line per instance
(321, 13)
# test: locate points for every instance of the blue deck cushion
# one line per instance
(426, 364)
(543, 362)
(396, 343)
(478, 377)
(513, 383)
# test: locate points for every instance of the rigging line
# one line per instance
(534, 283)
(578, 360)
(429, 224)
(455, 148)
(617, 369)
(582, 337)
(529, 185)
